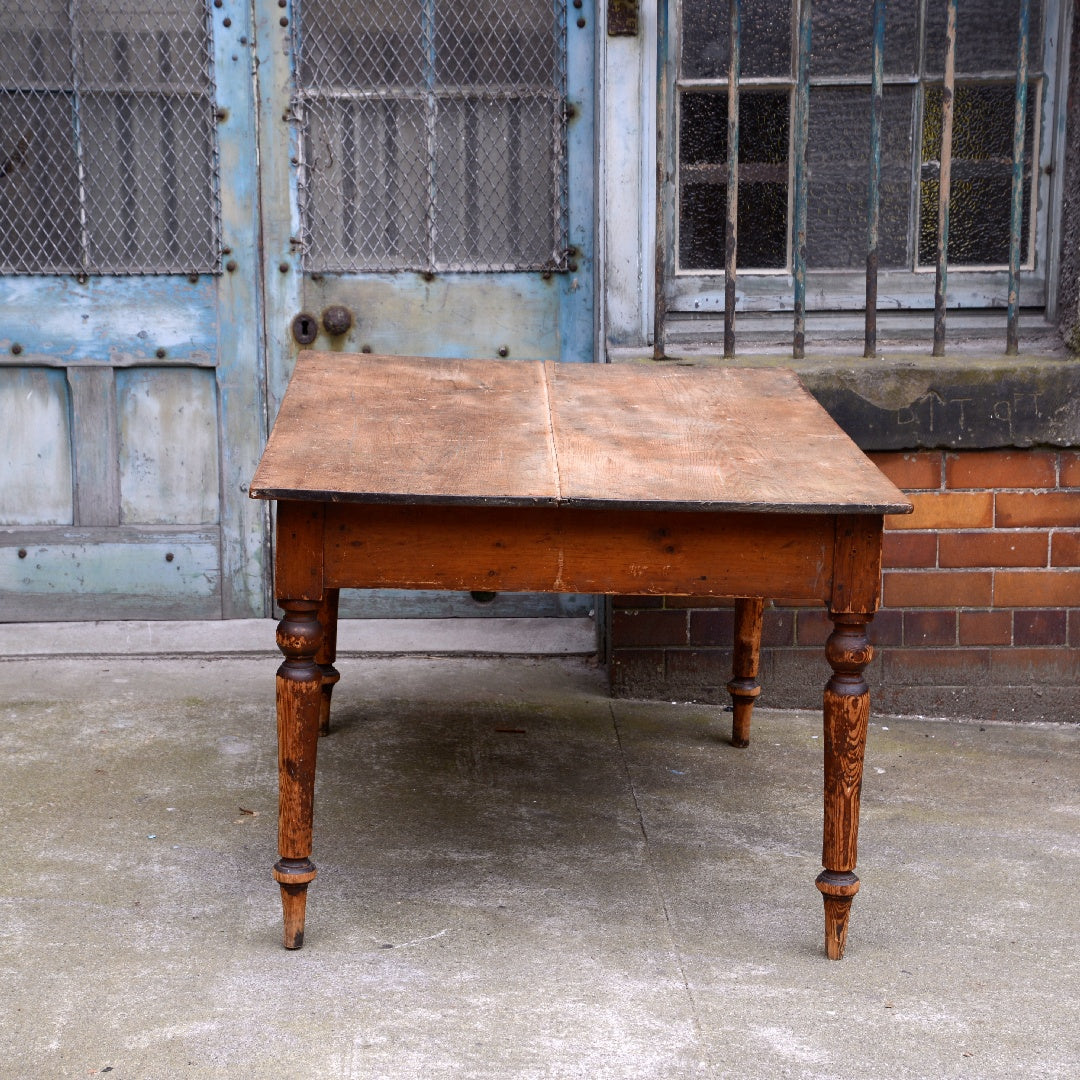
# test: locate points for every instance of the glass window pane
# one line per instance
(135, 191)
(434, 135)
(843, 37)
(838, 155)
(763, 180)
(765, 45)
(981, 183)
(985, 36)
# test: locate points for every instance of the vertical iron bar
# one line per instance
(167, 130)
(873, 208)
(802, 125)
(124, 120)
(1016, 216)
(732, 228)
(427, 33)
(77, 133)
(945, 180)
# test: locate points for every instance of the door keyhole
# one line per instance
(305, 328)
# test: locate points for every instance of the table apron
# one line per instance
(559, 549)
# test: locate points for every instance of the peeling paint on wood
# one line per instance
(35, 448)
(73, 580)
(168, 447)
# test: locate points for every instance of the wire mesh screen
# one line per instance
(107, 137)
(433, 134)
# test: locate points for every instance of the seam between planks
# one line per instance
(549, 411)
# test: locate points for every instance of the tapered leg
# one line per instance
(744, 688)
(327, 654)
(847, 710)
(299, 698)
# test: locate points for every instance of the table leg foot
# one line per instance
(837, 890)
(744, 688)
(294, 876)
(847, 712)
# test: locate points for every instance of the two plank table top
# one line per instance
(406, 472)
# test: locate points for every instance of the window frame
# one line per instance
(697, 292)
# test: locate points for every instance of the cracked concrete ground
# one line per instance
(519, 878)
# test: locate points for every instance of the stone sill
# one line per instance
(905, 399)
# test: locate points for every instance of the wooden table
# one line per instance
(394, 472)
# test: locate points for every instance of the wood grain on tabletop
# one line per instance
(408, 429)
(393, 428)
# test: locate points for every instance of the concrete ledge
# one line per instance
(253, 637)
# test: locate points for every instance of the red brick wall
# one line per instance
(980, 602)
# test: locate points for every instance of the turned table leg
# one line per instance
(299, 698)
(744, 688)
(847, 710)
(327, 654)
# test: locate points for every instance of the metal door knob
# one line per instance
(337, 320)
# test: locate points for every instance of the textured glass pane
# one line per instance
(366, 169)
(147, 192)
(508, 142)
(39, 196)
(434, 135)
(843, 37)
(361, 45)
(763, 180)
(108, 133)
(981, 184)
(838, 153)
(986, 36)
(480, 42)
(765, 41)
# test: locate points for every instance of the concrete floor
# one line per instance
(519, 878)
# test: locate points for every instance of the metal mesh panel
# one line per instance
(107, 138)
(433, 134)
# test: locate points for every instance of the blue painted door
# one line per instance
(427, 172)
(183, 182)
(132, 402)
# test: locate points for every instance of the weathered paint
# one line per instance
(241, 374)
(873, 208)
(73, 574)
(455, 315)
(1016, 209)
(945, 178)
(731, 236)
(109, 320)
(192, 344)
(35, 448)
(801, 180)
(168, 446)
(94, 444)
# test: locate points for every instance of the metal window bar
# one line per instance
(948, 91)
(873, 208)
(731, 234)
(801, 134)
(1016, 207)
